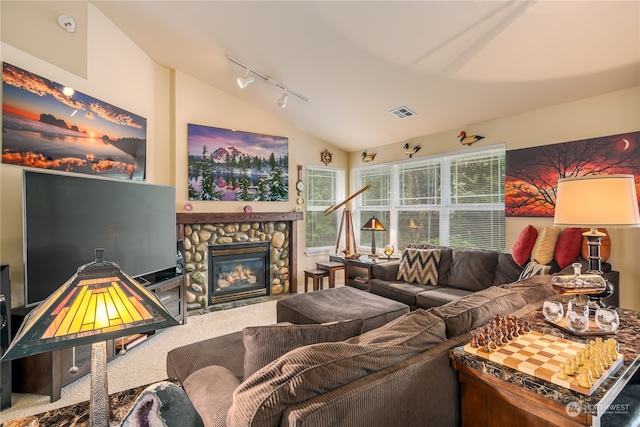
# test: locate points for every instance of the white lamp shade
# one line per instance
(597, 201)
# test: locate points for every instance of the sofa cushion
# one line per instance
(398, 291)
(419, 266)
(545, 246)
(440, 295)
(522, 247)
(474, 310)
(472, 269)
(319, 368)
(507, 270)
(568, 246)
(534, 269)
(210, 390)
(533, 289)
(264, 344)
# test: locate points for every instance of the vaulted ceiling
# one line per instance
(453, 63)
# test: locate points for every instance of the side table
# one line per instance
(493, 394)
(357, 273)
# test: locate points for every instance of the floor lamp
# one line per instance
(97, 304)
(594, 201)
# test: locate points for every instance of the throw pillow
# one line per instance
(315, 369)
(521, 249)
(472, 311)
(534, 269)
(264, 344)
(545, 245)
(568, 246)
(419, 266)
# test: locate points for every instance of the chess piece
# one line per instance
(562, 375)
(474, 339)
(584, 379)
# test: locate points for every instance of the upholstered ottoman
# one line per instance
(342, 303)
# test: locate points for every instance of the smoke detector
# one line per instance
(67, 22)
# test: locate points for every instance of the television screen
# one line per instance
(66, 217)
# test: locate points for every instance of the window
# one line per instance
(454, 200)
(325, 188)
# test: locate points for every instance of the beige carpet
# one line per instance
(146, 363)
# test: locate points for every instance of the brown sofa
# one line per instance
(461, 272)
(398, 374)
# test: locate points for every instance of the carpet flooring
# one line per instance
(146, 363)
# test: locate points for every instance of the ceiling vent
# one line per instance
(402, 112)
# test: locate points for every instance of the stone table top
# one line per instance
(628, 338)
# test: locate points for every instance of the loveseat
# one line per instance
(436, 275)
(396, 375)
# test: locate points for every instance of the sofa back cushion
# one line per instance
(264, 344)
(312, 370)
(419, 266)
(472, 311)
(507, 270)
(472, 269)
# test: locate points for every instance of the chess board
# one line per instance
(540, 355)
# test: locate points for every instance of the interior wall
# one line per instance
(117, 72)
(201, 104)
(609, 114)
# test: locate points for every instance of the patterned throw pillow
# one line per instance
(534, 269)
(419, 266)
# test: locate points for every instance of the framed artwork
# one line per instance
(532, 174)
(50, 126)
(226, 164)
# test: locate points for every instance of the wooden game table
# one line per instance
(496, 395)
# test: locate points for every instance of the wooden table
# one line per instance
(495, 395)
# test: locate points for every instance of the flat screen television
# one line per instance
(67, 217)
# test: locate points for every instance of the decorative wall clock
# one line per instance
(326, 157)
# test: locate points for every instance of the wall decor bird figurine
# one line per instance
(469, 140)
(410, 151)
(368, 157)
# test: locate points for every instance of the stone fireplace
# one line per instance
(203, 233)
(238, 271)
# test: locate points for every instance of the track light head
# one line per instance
(282, 101)
(246, 80)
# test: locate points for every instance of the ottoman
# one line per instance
(343, 303)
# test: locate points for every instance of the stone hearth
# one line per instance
(201, 230)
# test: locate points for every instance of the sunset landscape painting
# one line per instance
(50, 126)
(226, 164)
(532, 174)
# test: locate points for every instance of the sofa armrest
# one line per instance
(387, 271)
(211, 390)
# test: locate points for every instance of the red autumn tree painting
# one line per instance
(532, 174)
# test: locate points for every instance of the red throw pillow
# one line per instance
(568, 246)
(521, 249)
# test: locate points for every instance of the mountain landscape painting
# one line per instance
(50, 126)
(532, 174)
(226, 164)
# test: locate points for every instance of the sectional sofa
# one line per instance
(330, 375)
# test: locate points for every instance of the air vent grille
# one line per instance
(402, 112)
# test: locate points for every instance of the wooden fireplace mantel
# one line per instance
(224, 217)
(183, 219)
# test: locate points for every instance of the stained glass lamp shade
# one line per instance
(99, 303)
(373, 225)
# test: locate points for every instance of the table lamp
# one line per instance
(373, 225)
(594, 201)
(97, 304)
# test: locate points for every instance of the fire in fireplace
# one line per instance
(238, 271)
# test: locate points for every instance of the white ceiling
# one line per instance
(454, 63)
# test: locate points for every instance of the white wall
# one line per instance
(609, 114)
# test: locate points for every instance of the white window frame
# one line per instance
(339, 192)
(446, 205)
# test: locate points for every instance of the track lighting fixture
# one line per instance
(282, 101)
(248, 78)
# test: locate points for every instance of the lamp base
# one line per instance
(99, 400)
